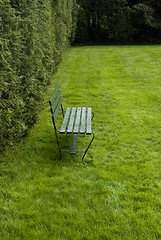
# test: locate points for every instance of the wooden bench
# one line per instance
(75, 121)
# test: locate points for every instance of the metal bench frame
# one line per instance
(70, 124)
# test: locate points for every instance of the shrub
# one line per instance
(34, 35)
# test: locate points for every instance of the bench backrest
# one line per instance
(56, 101)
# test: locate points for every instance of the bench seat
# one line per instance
(77, 121)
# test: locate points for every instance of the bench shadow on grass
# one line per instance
(49, 150)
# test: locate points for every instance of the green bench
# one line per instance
(75, 121)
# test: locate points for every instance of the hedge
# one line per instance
(34, 35)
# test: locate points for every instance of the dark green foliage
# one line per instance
(119, 21)
(95, 18)
(33, 36)
(135, 24)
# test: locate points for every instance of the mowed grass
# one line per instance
(117, 196)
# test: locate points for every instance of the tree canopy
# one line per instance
(120, 21)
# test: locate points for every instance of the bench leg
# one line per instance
(58, 142)
(74, 144)
(87, 150)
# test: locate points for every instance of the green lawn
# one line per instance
(117, 196)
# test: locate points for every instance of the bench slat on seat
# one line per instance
(54, 95)
(71, 122)
(58, 107)
(65, 121)
(83, 120)
(89, 124)
(55, 103)
(77, 121)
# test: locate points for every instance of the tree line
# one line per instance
(119, 21)
(34, 35)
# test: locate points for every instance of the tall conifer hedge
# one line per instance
(33, 36)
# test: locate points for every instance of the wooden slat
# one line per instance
(77, 121)
(58, 107)
(74, 144)
(83, 120)
(71, 122)
(65, 121)
(55, 103)
(54, 95)
(89, 122)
